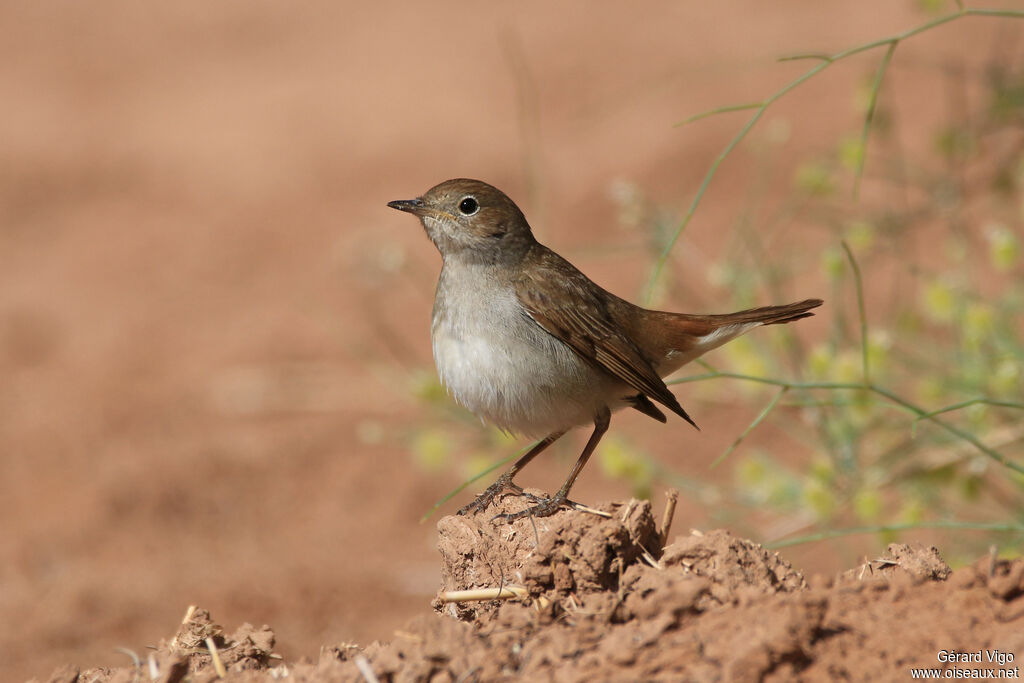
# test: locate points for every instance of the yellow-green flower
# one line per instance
(744, 359)
(474, 465)
(814, 178)
(1003, 247)
(620, 460)
(819, 498)
(978, 324)
(940, 301)
(879, 344)
(867, 504)
(860, 234)
(431, 449)
(930, 389)
(426, 387)
(848, 367)
(819, 362)
(851, 151)
(833, 262)
(932, 6)
(1007, 379)
(912, 511)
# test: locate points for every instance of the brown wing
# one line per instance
(563, 301)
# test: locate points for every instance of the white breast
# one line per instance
(501, 365)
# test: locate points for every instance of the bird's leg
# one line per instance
(504, 482)
(549, 506)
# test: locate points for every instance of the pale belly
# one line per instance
(509, 371)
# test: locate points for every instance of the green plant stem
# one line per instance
(972, 402)
(723, 110)
(869, 117)
(659, 264)
(921, 413)
(909, 526)
(757, 420)
(861, 313)
(825, 61)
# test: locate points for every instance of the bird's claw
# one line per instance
(484, 500)
(545, 507)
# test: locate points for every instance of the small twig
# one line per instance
(478, 594)
(173, 646)
(501, 579)
(593, 511)
(864, 568)
(218, 665)
(363, 664)
(536, 534)
(666, 519)
(649, 558)
(131, 653)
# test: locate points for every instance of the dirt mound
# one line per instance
(597, 595)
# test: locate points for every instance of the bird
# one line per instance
(526, 341)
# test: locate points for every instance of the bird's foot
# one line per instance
(545, 507)
(484, 500)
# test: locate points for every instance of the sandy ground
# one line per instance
(210, 323)
(601, 597)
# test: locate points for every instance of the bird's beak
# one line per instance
(415, 206)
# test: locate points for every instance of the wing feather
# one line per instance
(570, 307)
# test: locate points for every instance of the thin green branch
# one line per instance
(806, 55)
(659, 264)
(952, 429)
(720, 110)
(921, 413)
(909, 526)
(972, 402)
(767, 380)
(869, 117)
(861, 313)
(706, 365)
(826, 61)
(753, 425)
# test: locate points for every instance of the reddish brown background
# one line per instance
(209, 320)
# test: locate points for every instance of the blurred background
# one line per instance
(216, 385)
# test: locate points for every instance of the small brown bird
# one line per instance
(527, 342)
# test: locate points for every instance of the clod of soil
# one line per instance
(603, 600)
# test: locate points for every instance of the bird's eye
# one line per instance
(468, 206)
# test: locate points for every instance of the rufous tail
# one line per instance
(766, 315)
